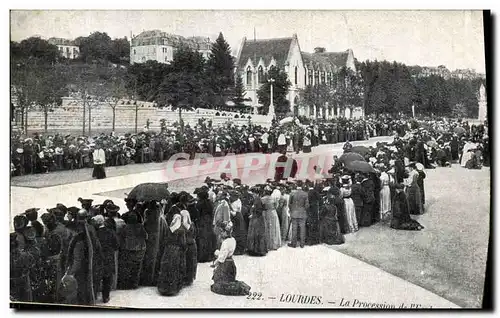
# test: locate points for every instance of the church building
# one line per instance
(255, 57)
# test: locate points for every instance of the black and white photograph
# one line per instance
(215, 159)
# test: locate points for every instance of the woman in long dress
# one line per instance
(420, 182)
(132, 250)
(413, 191)
(285, 214)
(206, 239)
(401, 219)
(273, 232)
(385, 194)
(312, 222)
(239, 227)
(222, 213)
(173, 261)
(191, 250)
(350, 209)
(329, 226)
(224, 277)
(257, 239)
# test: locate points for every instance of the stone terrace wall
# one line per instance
(69, 117)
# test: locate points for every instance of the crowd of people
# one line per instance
(71, 254)
(44, 153)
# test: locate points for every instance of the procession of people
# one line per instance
(75, 254)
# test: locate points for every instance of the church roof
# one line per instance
(267, 49)
(327, 61)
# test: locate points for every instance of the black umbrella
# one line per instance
(362, 150)
(350, 156)
(359, 166)
(149, 192)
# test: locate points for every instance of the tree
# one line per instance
(143, 80)
(96, 47)
(117, 91)
(220, 72)
(239, 92)
(316, 96)
(281, 85)
(348, 91)
(120, 51)
(184, 87)
(37, 48)
(50, 90)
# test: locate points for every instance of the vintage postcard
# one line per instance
(249, 159)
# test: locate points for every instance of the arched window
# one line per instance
(249, 76)
(310, 77)
(322, 77)
(296, 74)
(316, 77)
(261, 75)
(305, 78)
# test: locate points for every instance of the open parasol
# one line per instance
(149, 192)
(432, 143)
(459, 130)
(351, 156)
(359, 166)
(362, 150)
(286, 120)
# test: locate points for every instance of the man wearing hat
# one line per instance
(99, 157)
(21, 263)
(299, 205)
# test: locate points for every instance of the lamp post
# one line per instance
(271, 103)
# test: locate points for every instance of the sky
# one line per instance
(427, 38)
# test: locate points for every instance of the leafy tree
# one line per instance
(184, 87)
(281, 85)
(143, 80)
(117, 91)
(35, 48)
(316, 97)
(220, 72)
(348, 91)
(96, 47)
(120, 51)
(50, 90)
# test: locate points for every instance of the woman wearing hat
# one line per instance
(385, 193)
(413, 190)
(84, 260)
(401, 219)
(239, 227)
(273, 231)
(21, 263)
(222, 213)
(257, 239)
(109, 245)
(132, 242)
(224, 277)
(153, 226)
(191, 249)
(173, 261)
(350, 209)
(206, 239)
(329, 231)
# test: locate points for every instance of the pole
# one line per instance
(135, 101)
(413, 110)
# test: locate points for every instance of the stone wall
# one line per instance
(69, 116)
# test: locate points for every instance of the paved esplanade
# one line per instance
(333, 278)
